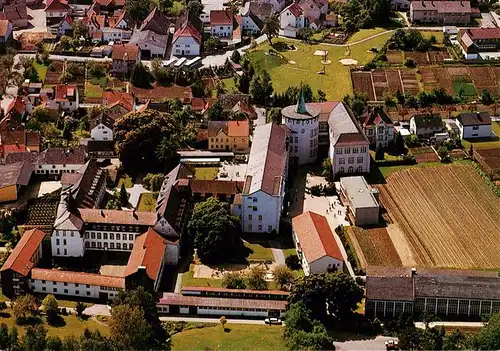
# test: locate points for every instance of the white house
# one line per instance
(186, 41)
(474, 125)
(150, 43)
(66, 97)
(316, 245)
(360, 199)
(56, 161)
(221, 23)
(252, 24)
(261, 202)
(291, 19)
(115, 34)
(378, 127)
(56, 10)
(426, 125)
(349, 148)
(101, 127)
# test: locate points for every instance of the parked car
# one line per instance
(392, 345)
(272, 321)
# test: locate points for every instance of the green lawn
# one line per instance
(93, 90)
(124, 178)
(147, 202)
(387, 171)
(387, 157)
(365, 33)
(289, 252)
(236, 337)
(206, 173)
(438, 34)
(229, 83)
(259, 252)
(73, 325)
(189, 280)
(467, 89)
(41, 70)
(337, 80)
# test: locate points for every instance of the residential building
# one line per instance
(360, 199)
(251, 23)
(151, 44)
(186, 41)
(261, 202)
(303, 122)
(460, 294)
(400, 5)
(25, 255)
(426, 125)
(65, 26)
(117, 103)
(156, 22)
(474, 125)
(5, 32)
(66, 97)
(324, 109)
(15, 11)
(478, 42)
(13, 178)
(125, 56)
(246, 109)
(292, 19)
(55, 11)
(101, 127)
(229, 135)
(221, 23)
(442, 12)
(316, 246)
(15, 115)
(377, 126)
(19, 141)
(349, 147)
(263, 10)
(278, 5)
(314, 9)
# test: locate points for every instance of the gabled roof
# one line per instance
(474, 119)
(260, 9)
(117, 217)
(57, 5)
(55, 275)
(18, 173)
(14, 10)
(481, 33)
(294, 8)
(226, 187)
(150, 38)
(221, 17)
(324, 109)
(148, 251)
(104, 119)
(427, 121)
(65, 93)
(187, 30)
(442, 6)
(125, 52)
(114, 98)
(59, 155)
(238, 128)
(215, 127)
(344, 126)
(157, 22)
(243, 107)
(375, 116)
(267, 160)
(315, 237)
(19, 259)
(17, 106)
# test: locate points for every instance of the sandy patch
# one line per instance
(202, 271)
(292, 62)
(401, 245)
(348, 62)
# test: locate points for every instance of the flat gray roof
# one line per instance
(359, 192)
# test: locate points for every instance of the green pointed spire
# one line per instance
(301, 103)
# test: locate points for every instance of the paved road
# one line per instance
(213, 320)
(261, 116)
(370, 344)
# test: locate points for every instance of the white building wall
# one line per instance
(101, 133)
(303, 139)
(324, 264)
(55, 14)
(56, 169)
(249, 25)
(233, 312)
(115, 35)
(287, 19)
(341, 158)
(471, 132)
(110, 240)
(267, 215)
(71, 289)
(67, 243)
(185, 46)
(224, 31)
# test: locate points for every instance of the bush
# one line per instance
(410, 63)
(153, 182)
(293, 262)
(233, 281)
(236, 56)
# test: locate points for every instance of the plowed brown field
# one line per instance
(376, 246)
(448, 214)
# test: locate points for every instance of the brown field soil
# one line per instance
(449, 215)
(491, 157)
(444, 79)
(394, 56)
(377, 247)
(394, 81)
(484, 78)
(438, 56)
(418, 57)
(424, 154)
(409, 79)
(362, 83)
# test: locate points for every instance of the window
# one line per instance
(64, 242)
(112, 245)
(77, 285)
(92, 235)
(93, 244)
(87, 244)
(130, 237)
(112, 236)
(351, 169)
(347, 150)
(249, 217)
(118, 246)
(54, 283)
(54, 290)
(355, 150)
(65, 291)
(296, 149)
(130, 246)
(57, 241)
(98, 235)
(341, 161)
(296, 139)
(58, 252)
(44, 288)
(77, 292)
(118, 237)
(350, 160)
(341, 170)
(339, 151)
(255, 208)
(269, 228)
(99, 245)
(260, 227)
(105, 236)
(359, 160)
(363, 149)
(65, 284)
(88, 293)
(249, 227)
(65, 252)
(303, 131)
(86, 235)
(254, 199)
(260, 217)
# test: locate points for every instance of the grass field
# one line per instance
(438, 34)
(493, 142)
(73, 325)
(206, 173)
(365, 33)
(92, 90)
(387, 171)
(147, 202)
(335, 83)
(259, 252)
(41, 70)
(229, 83)
(236, 337)
(466, 89)
(449, 216)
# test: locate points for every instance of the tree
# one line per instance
(139, 76)
(274, 115)
(165, 5)
(213, 230)
(399, 143)
(24, 305)
(282, 275)
(292, 262)
(336, 292)
(256, 278)
(456, 340)
(93, 340)
(79, 308)
(357, 103)
(223, 322)
(53, 343)
(326, 169)
(153, 182)
(34, 339)
(123, 196)
(305, 34)
(261, 87)
(4, 336)
(443, 153)
(212, 43)
(129, 328)
(486, 98)
(379, 152)
(80, 29)
(321, 96)
(233, 281)
(138, 9)
(216, 112)
(51, 309)
(236, 56)
(195, 8)
(488, 337)
(271, 27)
(14, 339)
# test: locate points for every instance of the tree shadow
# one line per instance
(5, 315)
(58, 322)
(227, 330)
(29, 321)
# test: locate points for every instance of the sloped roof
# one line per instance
(481, 33)
(375, 116)
(59, 155)
(18, 173)
(221, 17)
(18, 106)
(427, 121)
(15, 10)
(474, 119)
(117, 216)
(442, 6)
(4, 25)
(157, 22)
(294, 8)
(315, 236)
(54, 275)
(104, 119)
(125, 52)
(214, 127)
(63, 91)
(227, 187)
(344, 126)
(324, 109)
(113, 98)
(187, 30)
(238, 128)
(19, 259)
(57, 5)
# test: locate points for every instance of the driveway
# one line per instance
(261, 116)
(279, 256)
(370, 344)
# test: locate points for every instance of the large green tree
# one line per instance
(488, 338)
(129, 329)
(138, 9)
(334, 294)
(149, 140)
(271, 27)
(51, 308)
(139, 76)
(24, 305)
(213, 230)
(34, 339)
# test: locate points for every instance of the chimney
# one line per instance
(102, 213)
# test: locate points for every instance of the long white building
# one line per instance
(261, 202)
(303, 122)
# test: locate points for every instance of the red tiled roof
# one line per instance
(187, 30)
(125, 52)
(245, 108)
(19, 259)
(324, 109)
(113, 98)
(295, 9)
(201, 104)
(15, 174)
(221, 17)
(159, 92)
(54, 275)
(237, 291)
(149, 249)
(315, 236)
(57, 5)
(59, 155)
(481, 33)
(89, 215)
(442, 6)
(238, 128)
(18, 106)
(374, 117)
(14, 10)
(64, 91)
(227, 187)
(4, 24)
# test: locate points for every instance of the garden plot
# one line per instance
(362, 84)
(374, 247)
(410, 84)
(424, 154)
(484, 78)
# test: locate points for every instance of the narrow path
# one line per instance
(279, 256)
